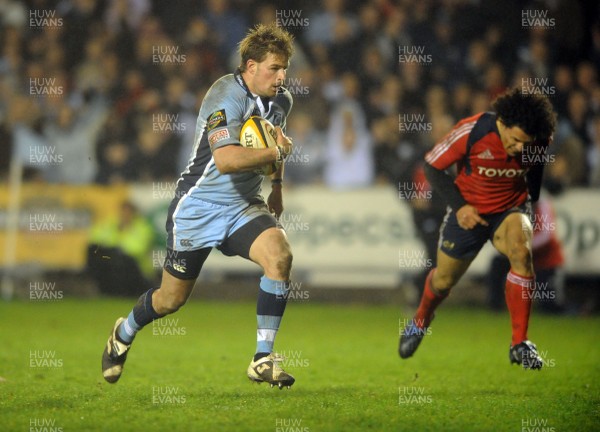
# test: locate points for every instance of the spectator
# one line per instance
(118, 254)
(331, 24)
(74, 136)
(387, 150)
(219, 16)
(587, 77)
(594, 153)
(180, 110)
(13, 14)
(373, 72)
(106, 49)
(24, 119)
(563, 85)
(480, 102)
(349, 162)
(413, 83)
(349, 159)
(393, 35)
(536, 58)
(369, 24)
(444, 52)
(79, 18)
(117, 164)
(461, 100)
(127, 15)
(578, 112)
(569, 152)
(305, 164)
(156, 151)
(478, 60)
(436, 101)
(495, 81)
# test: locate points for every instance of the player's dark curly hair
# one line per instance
(264, 39)
(531, 112)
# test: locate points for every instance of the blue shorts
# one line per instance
(465, 244)
(194, 224)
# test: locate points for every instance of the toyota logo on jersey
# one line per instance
(501, 172)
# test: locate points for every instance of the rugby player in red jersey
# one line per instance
(499, 159)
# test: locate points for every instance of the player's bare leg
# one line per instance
(438, 284)
(513, 239)
(447, 273)
(172, 294)
(272, 252)
(153, 304)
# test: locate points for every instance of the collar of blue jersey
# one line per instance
(240, 80)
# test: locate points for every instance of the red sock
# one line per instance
(518, 300)
(429, 302)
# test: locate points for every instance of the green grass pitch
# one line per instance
(188, 374)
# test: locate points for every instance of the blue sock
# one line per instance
(142, 314)
(270, 306)
(128, 329)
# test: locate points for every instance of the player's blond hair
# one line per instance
(265, 39)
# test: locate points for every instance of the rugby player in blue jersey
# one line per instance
(218, 204)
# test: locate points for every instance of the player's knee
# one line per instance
(168, 304)
(283, 261)
(280, 263)
(519, 255)
(174, 305)
(443, 282)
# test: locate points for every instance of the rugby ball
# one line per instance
(258, 133)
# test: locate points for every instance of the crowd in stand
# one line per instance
(107, 92)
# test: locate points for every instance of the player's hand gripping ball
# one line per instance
(258, 133)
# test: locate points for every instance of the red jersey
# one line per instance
(488, 178)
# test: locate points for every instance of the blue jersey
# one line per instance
(225, 108)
